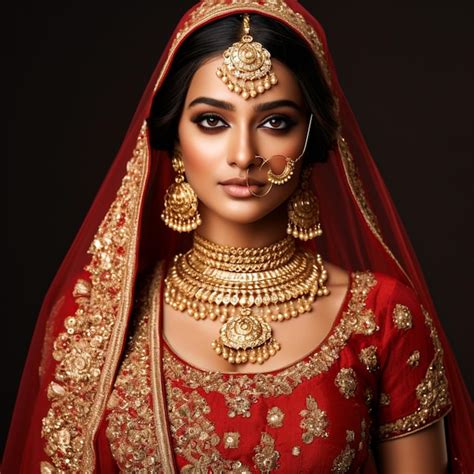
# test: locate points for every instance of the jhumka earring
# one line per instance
(247, 67)
(180, 212)
(303, 211)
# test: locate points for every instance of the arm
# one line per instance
(418, 453)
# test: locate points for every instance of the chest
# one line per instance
(192, 340)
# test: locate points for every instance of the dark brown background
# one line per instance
(78, 73)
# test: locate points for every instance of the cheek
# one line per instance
(202, 155)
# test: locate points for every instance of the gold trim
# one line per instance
(357, 189)
(416, 430)
(157, 388)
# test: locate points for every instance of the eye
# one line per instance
(278, 122)
(210, 121)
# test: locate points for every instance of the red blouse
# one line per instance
(377, 375)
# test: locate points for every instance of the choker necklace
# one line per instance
(245, 289)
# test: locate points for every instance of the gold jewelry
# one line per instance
(289, 168)
(180, 212)
(246, 289)
(247, 67)
(303, 211)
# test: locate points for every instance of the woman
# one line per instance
(242, 154)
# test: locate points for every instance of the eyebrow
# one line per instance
(221, 104)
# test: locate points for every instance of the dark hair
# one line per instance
(214, 38)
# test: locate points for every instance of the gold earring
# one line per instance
(180, 212)
(303, 211)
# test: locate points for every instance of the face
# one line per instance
(220, 135)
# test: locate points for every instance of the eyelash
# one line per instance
(201, 118)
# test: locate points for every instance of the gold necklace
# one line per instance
(246, 289)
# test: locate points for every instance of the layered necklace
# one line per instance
(245, 289)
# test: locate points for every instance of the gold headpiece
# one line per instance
(247, 67)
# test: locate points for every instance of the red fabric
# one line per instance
(343, 414)
(328, 406)
(349, 241)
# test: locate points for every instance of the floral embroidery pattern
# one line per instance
(231, 440)
(346, 382)
(368, 356)
(130, 420)
(275, 417)
(314, 421)
(343, 461)
(266, 457)
(432, 392)
(414, 359)
(402, 317)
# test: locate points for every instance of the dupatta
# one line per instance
(81, 329)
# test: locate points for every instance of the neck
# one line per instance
(264, 232)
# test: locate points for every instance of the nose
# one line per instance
(242, 150)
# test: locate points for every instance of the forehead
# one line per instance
(206, 83)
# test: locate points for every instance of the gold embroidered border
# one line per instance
(358, 192)
(432, 394)
(157, 388)
(87, 352)
(355, 319)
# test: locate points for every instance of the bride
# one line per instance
(231, 303)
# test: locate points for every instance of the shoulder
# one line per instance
(384, 292)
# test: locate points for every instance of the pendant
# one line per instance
(246, 338)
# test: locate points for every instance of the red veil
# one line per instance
(77, 351)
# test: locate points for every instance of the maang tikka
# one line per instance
(247, 68)
(303, 211)
(181, 202)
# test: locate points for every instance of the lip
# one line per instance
(242, 182)
(240, 188)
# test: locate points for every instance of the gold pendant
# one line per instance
(246, 338)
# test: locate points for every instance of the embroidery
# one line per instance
(414, 359)
(89, 348)
(384, 399)
(266, 457)
(296, 451)
(241, 391)
(346, 382)
(350, 436)
(275, 417)
(369, 398)
(402, 317)
(344, 460)
(130, 421)
(314, 421)
(432, 392)
(231, 440)
(368, 357)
